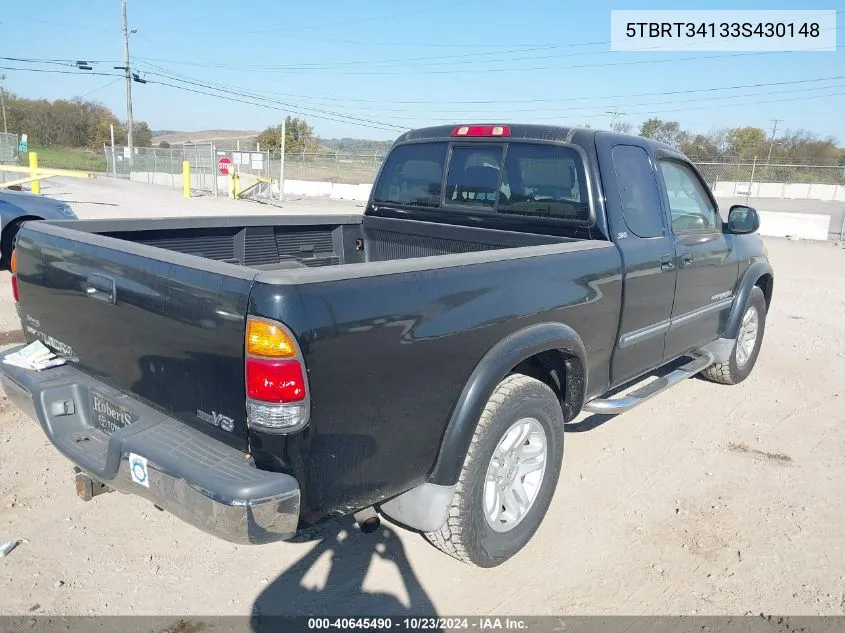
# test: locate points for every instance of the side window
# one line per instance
(689, 203)
(640, 199)
(544, 181)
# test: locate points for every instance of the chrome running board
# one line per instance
(700, 360)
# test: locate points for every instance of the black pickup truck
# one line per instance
(257, 376)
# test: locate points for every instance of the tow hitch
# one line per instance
(87, 488)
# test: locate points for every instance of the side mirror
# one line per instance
(742, 219)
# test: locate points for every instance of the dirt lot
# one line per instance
(707, 500)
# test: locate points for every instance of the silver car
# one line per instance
(17, 207)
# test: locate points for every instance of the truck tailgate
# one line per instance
(163, 327)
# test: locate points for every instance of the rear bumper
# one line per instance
(199, 479)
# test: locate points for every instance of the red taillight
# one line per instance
(15, 287)
(482, 130)
(274, 380)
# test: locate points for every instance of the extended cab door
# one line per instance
(707, 267)
(639, 227)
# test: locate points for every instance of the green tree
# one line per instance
(299, 137)
(804, 147)
(668, 132)
(700, 146)
(623, 127)
(164, 144)
(142, 135)
(747, 142)
(650, 127)
(101, 132)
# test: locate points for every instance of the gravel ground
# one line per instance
(707, 499)
(110, 198)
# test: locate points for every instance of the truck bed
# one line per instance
(157, 308)
(290, 242)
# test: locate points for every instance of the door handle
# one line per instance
(666, 262)
(100, 287)
(688, 258)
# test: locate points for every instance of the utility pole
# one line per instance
(129, 122)
(614, 114)
(772, 144)
(283, 135)
(3, 103)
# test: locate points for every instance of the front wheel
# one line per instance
(508, 477)
(747, 345)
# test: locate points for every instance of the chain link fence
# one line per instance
(773, 180)
(337, 167)
(8, 148)
(163, 166)
(772, 173)
(8, 154)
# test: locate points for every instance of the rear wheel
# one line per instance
(508, 477)
(7, 243)
(746, 346)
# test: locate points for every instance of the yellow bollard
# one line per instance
(237, 186)
(33, 165)
(186, 179)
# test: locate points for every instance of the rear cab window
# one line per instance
(523, 179)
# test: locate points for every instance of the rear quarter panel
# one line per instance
(388, 355)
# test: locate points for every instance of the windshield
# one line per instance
(522, 179)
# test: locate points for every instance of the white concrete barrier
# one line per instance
(784, 190)
(335, 191)
(351, 192)
(806, 226)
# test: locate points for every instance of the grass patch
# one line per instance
(67, 158)
(744, 448)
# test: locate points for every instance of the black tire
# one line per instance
(467, 535)
(735, 371)
(7, 244)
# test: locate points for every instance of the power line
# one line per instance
(293, 70)
(247, 92)
(114, 81)
(337, 117)
(180, 77)
(595, 112)
(392, 62)
(83, 73)
(555, 99)
(384, 127)
(707, 107)
(387, 126)
(438, 60)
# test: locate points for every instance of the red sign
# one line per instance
(224, 165)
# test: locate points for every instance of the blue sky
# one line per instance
(371, 69)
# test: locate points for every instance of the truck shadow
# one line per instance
(589, 423)
(598, 419)
(350, 556)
